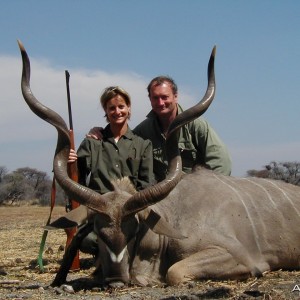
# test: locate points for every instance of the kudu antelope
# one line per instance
(188, 227)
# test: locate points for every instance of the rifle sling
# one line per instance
(45, 233)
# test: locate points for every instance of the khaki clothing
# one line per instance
(104, 160)
(198, 144)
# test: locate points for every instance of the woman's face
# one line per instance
(117, 110)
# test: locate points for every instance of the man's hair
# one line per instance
(160, 80)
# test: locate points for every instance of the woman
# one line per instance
(119, 153)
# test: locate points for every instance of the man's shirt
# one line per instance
(199, 144)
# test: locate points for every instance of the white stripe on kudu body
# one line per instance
(285, 195)
(240, 197)
(264, 189)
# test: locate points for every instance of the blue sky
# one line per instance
(127, 43)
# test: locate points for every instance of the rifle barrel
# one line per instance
(73, 174)
(69, 99)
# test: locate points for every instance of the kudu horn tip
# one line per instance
(213, 52)
(21, 45)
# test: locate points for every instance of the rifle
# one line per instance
(73, 174)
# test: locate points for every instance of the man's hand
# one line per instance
(72, 156)
(95, 133)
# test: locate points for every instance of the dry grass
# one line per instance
(21, 229)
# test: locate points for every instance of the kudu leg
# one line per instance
(216, 263)
(69, 255)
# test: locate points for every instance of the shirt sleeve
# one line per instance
(207, 142)
(145, 175)
(84, 161)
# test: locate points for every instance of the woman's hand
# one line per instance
(72, 156)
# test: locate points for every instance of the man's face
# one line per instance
(163, 100)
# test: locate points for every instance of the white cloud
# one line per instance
(26, 140)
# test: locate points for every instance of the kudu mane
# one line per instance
(123, 185)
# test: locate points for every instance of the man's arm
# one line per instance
(95, 133)
(206, 140)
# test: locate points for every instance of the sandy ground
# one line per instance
(21, 229)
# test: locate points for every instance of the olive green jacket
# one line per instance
(101, 161)
(198, 144)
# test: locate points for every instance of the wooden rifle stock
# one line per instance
(73, 174)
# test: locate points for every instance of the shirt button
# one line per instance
(117, 166)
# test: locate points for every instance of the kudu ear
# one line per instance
(160, 226)
(74, 218)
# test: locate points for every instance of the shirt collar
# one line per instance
(108, 134)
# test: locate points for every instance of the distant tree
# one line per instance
(33, 176)
(258, 173)
(285, 171)
(45, 194)
(3, 172)
(14, 188)
(28, 184)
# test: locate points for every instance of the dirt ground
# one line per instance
(21, 229)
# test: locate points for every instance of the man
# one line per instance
(198, 142)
